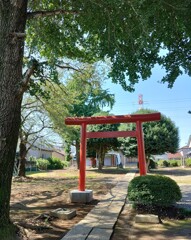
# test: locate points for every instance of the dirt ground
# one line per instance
(127, 229)
(33, 198)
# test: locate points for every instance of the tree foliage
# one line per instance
(101, 146)
(159, 137)
(130, 33)
(81, 95)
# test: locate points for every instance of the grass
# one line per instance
(179, 174)
(74, 174)
(177, 224)
(51, 174)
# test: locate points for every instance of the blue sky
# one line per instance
(174, 103)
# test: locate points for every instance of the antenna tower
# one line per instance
(140, 101)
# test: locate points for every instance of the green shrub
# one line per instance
(154, 191)
(166, 163)
(42, 164)
(174, 163)
(163, 163)
(160, 162)
(55, 163)
(152, 164)
(66, 163)
(188, 162)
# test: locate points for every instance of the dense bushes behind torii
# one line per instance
(174, 163)
(51, 163)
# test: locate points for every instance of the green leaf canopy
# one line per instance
(133, 35)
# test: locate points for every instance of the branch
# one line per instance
(43, 122)
(31, 15)
(26, 105)
(26, 79)
(34, 140)
(67, 67)
(26, 116)
(174, 7)
(32, 144)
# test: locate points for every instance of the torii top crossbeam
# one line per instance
(136, 118)
(113, 119)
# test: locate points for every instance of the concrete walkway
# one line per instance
(100, 221)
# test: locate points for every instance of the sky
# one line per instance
(172, 102)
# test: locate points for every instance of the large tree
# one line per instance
(130, 34)
(81, 95)
(159, 137)
(100, 146)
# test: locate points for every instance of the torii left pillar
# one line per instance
(82, 195)
(82, 158)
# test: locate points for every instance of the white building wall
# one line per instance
(107, 161)
(161, 157)
(39, 153)
(88, 162)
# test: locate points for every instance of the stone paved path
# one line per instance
(186, 196)
(100, 221)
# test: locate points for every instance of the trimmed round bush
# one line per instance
(154, 190)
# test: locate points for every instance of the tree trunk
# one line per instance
(78, 154)
(148, 162)
(12, 20)
(22, 158)
(99, 163)
(101, 156)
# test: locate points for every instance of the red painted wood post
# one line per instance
(82, 173)
(141, 149)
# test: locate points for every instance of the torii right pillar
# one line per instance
(141, 149)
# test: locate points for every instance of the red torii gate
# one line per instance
(138, 133)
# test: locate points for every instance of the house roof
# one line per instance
(185, 147)
(48, 149)
(174, 155)
(59, 151)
